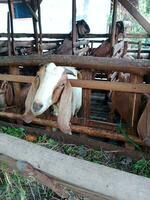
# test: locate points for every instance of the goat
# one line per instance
(119, 99)
(104, 50)
(51, 87)
(82, 29)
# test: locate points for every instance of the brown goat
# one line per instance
(120, 100)
(104, 50)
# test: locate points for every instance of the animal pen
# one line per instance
(93, 126)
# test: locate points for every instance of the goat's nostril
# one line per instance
(37, 106)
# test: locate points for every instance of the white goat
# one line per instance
(51, 87)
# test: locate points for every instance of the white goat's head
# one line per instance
(50, 86)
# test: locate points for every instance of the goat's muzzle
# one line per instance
(37, 106)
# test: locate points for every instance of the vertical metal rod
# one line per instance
(11, 25)
(8, 33)
(74, 35)
(39, 23)
(113, 30)
(35, 26)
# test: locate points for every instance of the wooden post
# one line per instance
(74, 33)
(86, 97)
(135, 101)
(113, 30)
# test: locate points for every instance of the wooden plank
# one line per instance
(88, 84)
(97, 180)
(114, 86)
(135, 66)
(135, 13)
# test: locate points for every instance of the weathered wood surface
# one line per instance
(99, 181)
(83, 62)
(88, 84)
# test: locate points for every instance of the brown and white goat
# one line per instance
(51, 87)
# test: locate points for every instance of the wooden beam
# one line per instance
(140, 67)
(113, 135)
(98, 181)
(88, 84)
(135, 13)
(64, 35)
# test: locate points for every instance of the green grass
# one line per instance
(15, 187)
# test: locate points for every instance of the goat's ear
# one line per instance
(65, 109)
(28, 116)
